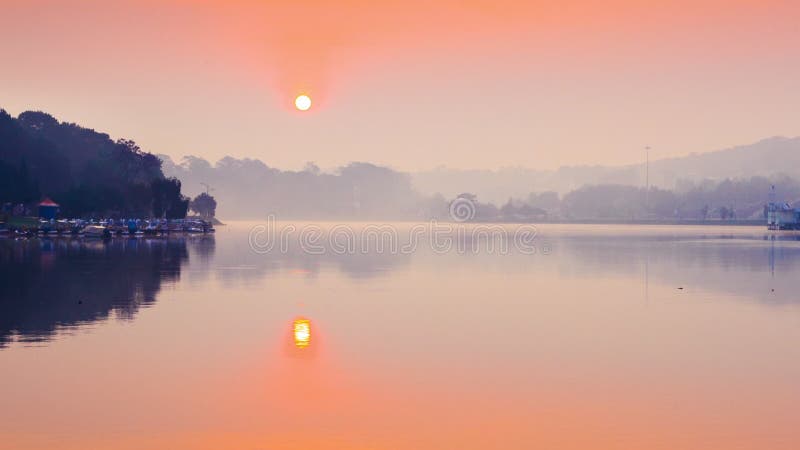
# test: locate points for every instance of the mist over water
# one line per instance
(606, 336)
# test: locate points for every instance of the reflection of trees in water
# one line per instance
(236, 262)
(63, 283)
(758, 266)
(246, 265)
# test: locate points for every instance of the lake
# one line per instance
(588, 336)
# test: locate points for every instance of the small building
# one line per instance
(780, 215)
(48, 209)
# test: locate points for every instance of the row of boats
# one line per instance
(111, 227)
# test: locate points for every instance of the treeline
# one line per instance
(708, 200)
(248, 188)
(83, 170)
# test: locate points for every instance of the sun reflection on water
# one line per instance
(302, 333)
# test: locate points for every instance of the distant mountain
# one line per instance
(777, 155)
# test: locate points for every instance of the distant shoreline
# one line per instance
(742, 223)
(687, 222)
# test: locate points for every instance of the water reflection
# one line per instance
(53, 285)
(287, 357)
(750, 266)
(723, 259)
(302, 332)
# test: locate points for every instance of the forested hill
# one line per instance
(83, 170)
(765, 158)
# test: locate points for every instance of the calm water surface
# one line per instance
(607, 337)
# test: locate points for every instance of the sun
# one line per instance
(302, 102)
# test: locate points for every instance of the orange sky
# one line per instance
(412, 84)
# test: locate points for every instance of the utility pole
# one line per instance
(647, 180)
(208, 187)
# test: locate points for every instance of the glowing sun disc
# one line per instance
(302, 102)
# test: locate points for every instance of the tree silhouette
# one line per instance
(83, 170)
(204, 204)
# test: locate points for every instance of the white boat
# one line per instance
(94, 230)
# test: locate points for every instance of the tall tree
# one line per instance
(205, 205)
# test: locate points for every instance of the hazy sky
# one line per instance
(411, 84)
